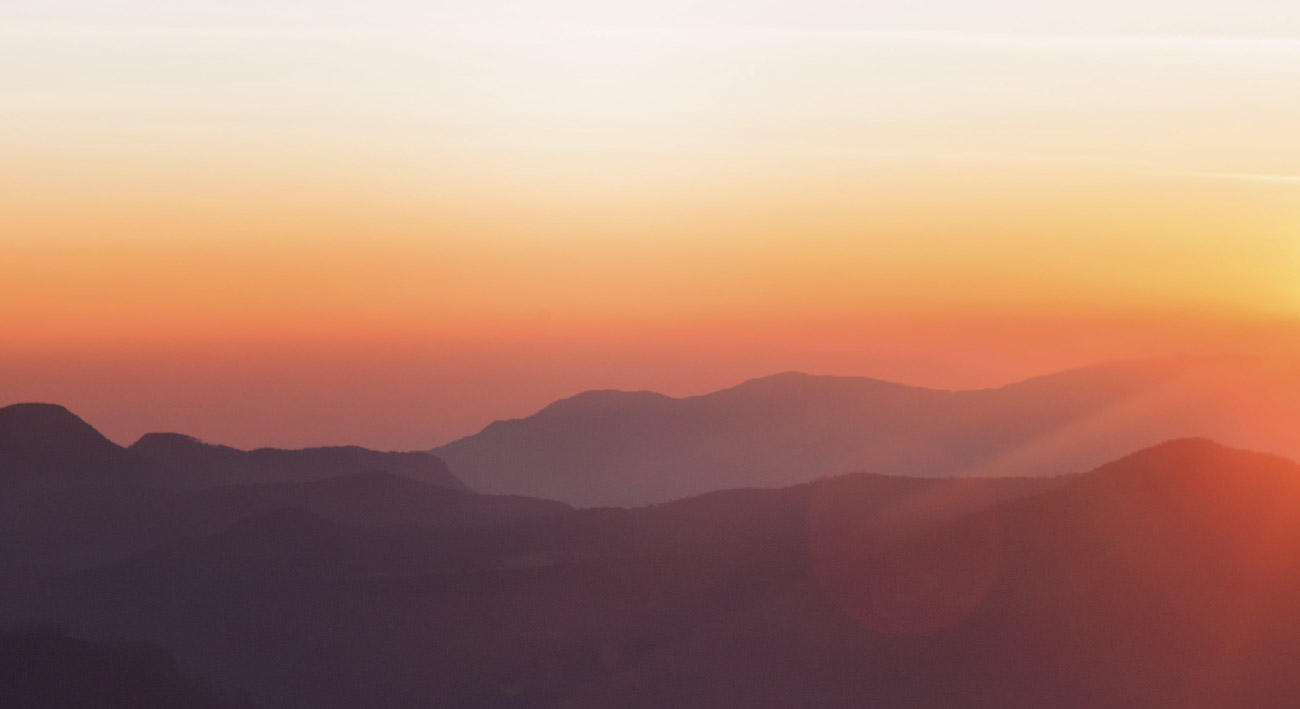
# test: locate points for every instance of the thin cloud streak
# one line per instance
(958, 39)
(1277, 178)
(970, 40)
(39, 32)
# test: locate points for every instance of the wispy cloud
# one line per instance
(61, 32)
(451, 32)
(1277, 178)
(1042, 42)
(968, 40)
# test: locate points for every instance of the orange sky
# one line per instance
(265, 228)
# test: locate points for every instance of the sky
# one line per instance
(389, 223)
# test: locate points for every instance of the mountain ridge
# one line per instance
(629, 448)
(198, 463)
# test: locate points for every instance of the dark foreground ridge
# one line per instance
(44, 667)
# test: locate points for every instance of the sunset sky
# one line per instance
(390, 222)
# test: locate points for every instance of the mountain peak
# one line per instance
(157, 443)
(1199, 475)
(48, 430)
(604, 400)
(167, 437)
(39, 418)
(45, 444)
(784, 383)
(1191, 454)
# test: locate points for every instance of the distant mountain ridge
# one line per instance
(631, 448)
(200, 464)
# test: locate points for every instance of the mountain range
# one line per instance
(635, 448)
(1166, 578)
(72, 498)
(179, 573)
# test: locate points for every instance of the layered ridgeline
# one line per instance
(1167, 578)
(70, 498)
(629, 448)
(45, 445)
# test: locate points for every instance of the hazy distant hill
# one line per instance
(199, 464)
(1166, 579)
(628, 448)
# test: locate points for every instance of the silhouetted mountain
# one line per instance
(44, 446)
(43, 667)
(628, 448)
(199, 464)
(1170, 578)
(69, 497)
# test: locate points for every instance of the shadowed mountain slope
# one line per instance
(629, 448)
(44, 667)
